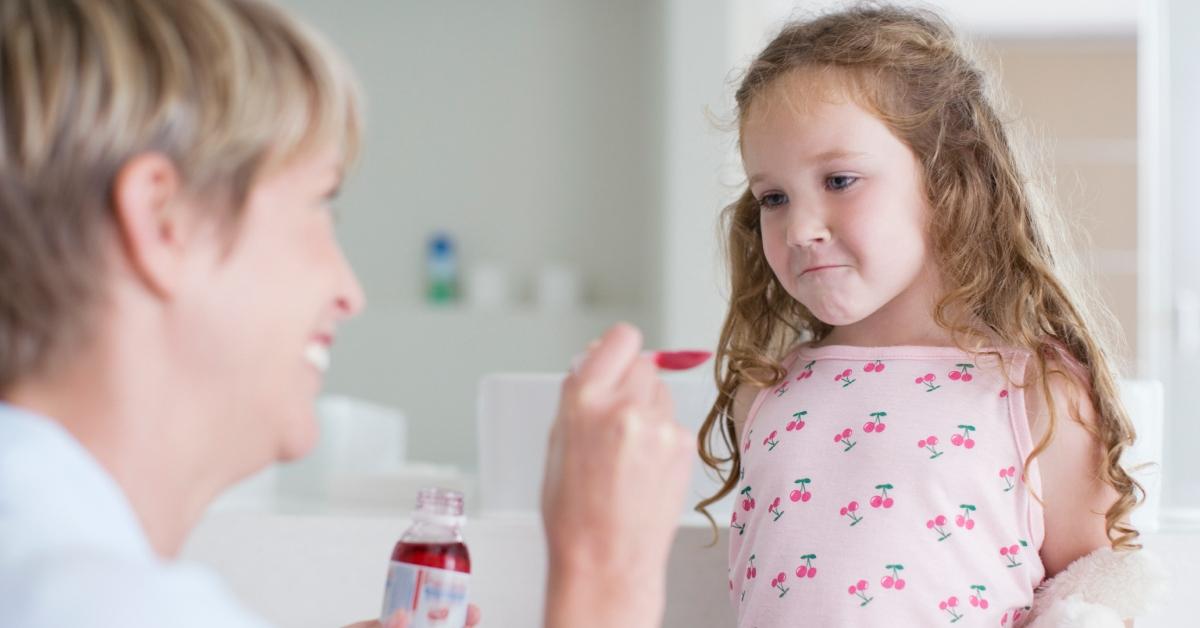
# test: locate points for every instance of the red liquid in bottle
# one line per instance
(429, 570)
(448, 556)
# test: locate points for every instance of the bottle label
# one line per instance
(431, 597)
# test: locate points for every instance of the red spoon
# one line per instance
(680, 360)
(667, 360)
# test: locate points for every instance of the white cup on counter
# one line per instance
(558, 287)
(488, 287)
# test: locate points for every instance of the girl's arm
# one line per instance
(742, 400)
(1074, 497)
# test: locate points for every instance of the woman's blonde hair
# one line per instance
(908, 68)
(229, 90)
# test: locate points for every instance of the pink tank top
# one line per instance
(882, 487)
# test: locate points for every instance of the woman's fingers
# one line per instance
(604, 366)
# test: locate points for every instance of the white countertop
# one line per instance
(324, 570)
(327, 570)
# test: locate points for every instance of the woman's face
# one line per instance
(263, 309)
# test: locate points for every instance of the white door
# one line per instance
(1169, 264)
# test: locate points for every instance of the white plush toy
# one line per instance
(1100, 590)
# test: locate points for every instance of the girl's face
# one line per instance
(842, 210)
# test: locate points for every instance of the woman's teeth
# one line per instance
(317, 355)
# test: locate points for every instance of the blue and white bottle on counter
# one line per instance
(441, 268)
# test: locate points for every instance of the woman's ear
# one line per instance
(146, 197)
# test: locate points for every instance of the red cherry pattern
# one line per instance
(893, 580)
(859, 589)
(927, 381)
(949, 605)
(977, 600)
(961, 373)
(876, 424)
(882, 500)
(938, 525)
(797, 423)
(1007, 474)
(807, 570)
(802, 493)
(849, 511)
(806, 372)
(843, 437)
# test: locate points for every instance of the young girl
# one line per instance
(921, 423)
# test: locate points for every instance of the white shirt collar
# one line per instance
(55, 495)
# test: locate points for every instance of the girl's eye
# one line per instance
(772, 200)
(839, 182)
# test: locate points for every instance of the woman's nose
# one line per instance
(350, 299)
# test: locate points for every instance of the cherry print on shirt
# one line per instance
(859, 588)
(1007, 475)
(1010, 553)
(927, 381)
(775, 509)
(977, 597)
(777, 583)
(740, 527)
(849, 510)
(876, 423)
(1003, 393)
(893, 581)
(807, 372)
(950, 605)
(873, 367)
(798, 423)
(782, 389)
(843, 437)
(748, 500)
(746, 445)
(751, 570)
(771, 440)
(801, 494)
(964, 520)
(882, 500)
(930, 444)
(964, 439)
(1016, 615)
(938, 524)
(807, 570)
(961, 375)
(844, 377)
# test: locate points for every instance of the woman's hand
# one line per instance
(616, 471)
(399, 619)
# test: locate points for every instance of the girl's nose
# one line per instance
(806, 229)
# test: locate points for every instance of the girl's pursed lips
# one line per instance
(812, 269)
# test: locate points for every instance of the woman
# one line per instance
(170, 286)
